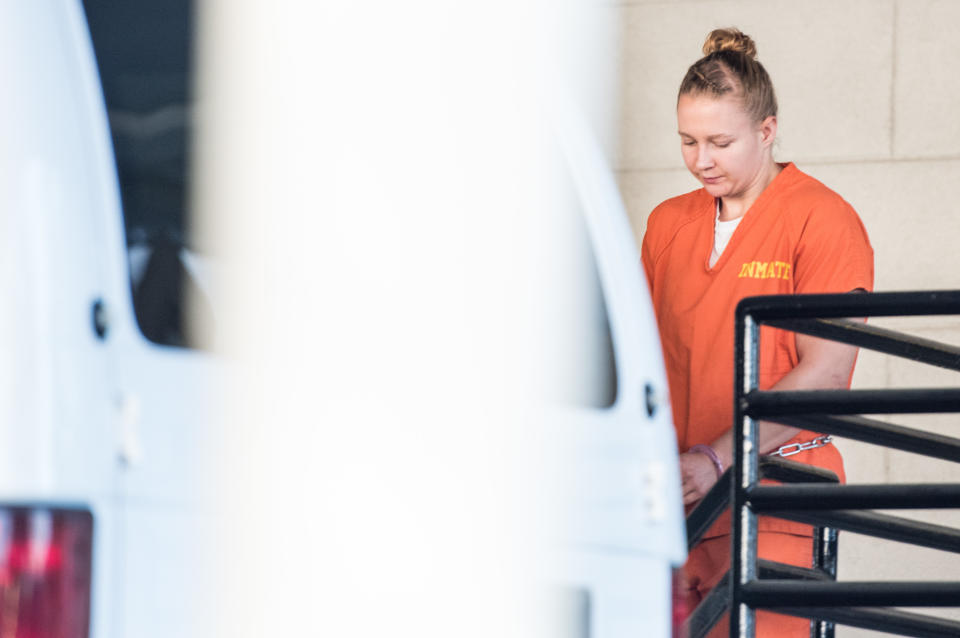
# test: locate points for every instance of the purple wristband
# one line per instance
(711, 454)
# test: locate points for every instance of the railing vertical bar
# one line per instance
(746, 474)
(825, 559)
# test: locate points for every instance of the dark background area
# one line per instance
(143, 51)
(144, 55)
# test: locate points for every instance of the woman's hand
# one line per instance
(697, 475)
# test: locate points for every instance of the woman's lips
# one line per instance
(711, 180)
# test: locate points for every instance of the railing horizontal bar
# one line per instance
(893, 528)
(857, 333)
(792, 593)
(877, 304)
(713, 606)
(715, 502)
(778, 469)
(879, 433)
(891, 621)
(772, 570)
(766, 498)
(708, 510)
(763, 404)
(717, 602)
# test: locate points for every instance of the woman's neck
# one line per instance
(734, 207)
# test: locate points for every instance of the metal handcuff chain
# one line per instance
(797, 448)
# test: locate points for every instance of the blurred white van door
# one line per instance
(625, 530)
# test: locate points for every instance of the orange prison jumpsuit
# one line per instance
(797, 237)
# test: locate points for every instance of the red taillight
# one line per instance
(681, 604)
(45, 565)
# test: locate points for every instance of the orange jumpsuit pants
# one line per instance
(710, 560)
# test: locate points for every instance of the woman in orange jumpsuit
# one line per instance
(755, 227)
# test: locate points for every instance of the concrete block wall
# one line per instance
(869, 94)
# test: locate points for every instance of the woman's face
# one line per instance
(722, 146)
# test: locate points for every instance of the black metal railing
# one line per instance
(712, 608)
(753, 584)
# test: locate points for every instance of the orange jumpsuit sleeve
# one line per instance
(646, 258)
(833, 253)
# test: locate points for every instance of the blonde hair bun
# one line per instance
(730, 39)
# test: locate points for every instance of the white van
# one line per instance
(103, 433)
(107, 436)
(626, 532)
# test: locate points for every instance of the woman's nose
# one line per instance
(703, 157)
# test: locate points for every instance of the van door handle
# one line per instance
(101, 318)
(128, 416)
(651, 399)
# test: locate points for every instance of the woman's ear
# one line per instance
(768, 130)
